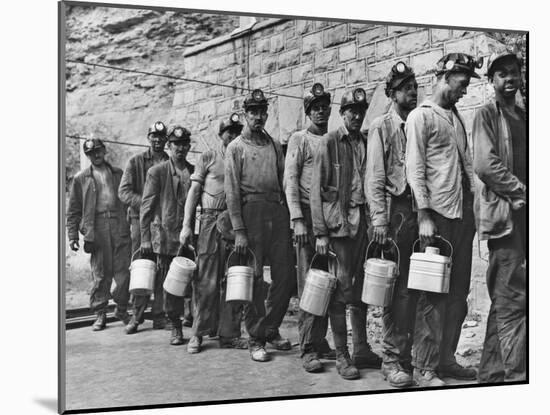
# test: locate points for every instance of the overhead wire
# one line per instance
(123, 143)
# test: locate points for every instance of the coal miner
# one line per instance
(339, 216)
(440, 173)
(297, 183)
(161, 217)
(254, 167)
(130, 191)
(207, 188)
(390, 207)
(500, 161)
(95, 210)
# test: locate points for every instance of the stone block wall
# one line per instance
(285, 57)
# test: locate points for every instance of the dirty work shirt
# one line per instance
(251, 169)
(359, 156)
(106, 199)
(436, 157)
(385, 174)
(209, 172)
(302, 145)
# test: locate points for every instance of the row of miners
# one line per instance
(336, 190)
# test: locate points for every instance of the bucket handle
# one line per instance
(330, 254)
(438, 237)
(382, 252)
(190, 248)
(233, 251)
(132, 259)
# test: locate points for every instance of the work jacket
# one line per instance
(332, 212)
(161, 212)
(437, 156)
(133, 180)
(82, 202)
(493, 164)
(385, 171)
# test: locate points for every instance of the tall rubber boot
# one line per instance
(363, 356)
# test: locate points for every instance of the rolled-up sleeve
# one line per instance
(232, 186)
(293, 170)
(417, 133)
(489, 167)
(375, 177)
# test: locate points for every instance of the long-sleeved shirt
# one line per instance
(209, 172)
(251, 171)
(133, 180)
(437, 156)
(494, 164)
(302, 146)
(332, 210)
(162, 206)
(385, 172)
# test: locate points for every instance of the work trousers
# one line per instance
(268, 229)
(504, 350)
(439, 317)
(207, 303)
(135, 233)
(312, 329)
(348, 268)
(110, 265)
(398, 318)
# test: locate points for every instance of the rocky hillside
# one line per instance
(119, 106)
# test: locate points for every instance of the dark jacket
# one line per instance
(161, 213)
(133, 180)
(82, 202)
(330, 194)
(493, 164)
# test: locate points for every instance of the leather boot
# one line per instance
(311, 363)
(363, 356)
(100, 322)
(177, 333)
(344, 365)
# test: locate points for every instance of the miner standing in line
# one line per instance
(440, 173)
(207, 187)
(161, 218)
(130, 191)
(302, 145)
(500, 161)
(95, 210)
(254, 167)
(339, 216)
(390, 206)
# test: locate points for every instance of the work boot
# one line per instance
(122, 316)
(325, 352)
(344, 365)
(366, 359)
(100, 322)
(132, 326)
(427, 378)
(279, 343)
(311, 363)
(258, 353)
(187, 322)
(159, 322)
(233, 343)
(177, 334)
(396, 375)
(456, 371)
(194, 345)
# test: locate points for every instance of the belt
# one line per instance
(211, 210)
(263, 197)
(353, 204)
(107, 214)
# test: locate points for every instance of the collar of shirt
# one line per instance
(342, 132)
(396, 118)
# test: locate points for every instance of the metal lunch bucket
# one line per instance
(142, 275)
(180, 274)
(240, 280)
(318, 290)
(380, 277)
(430, 271)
